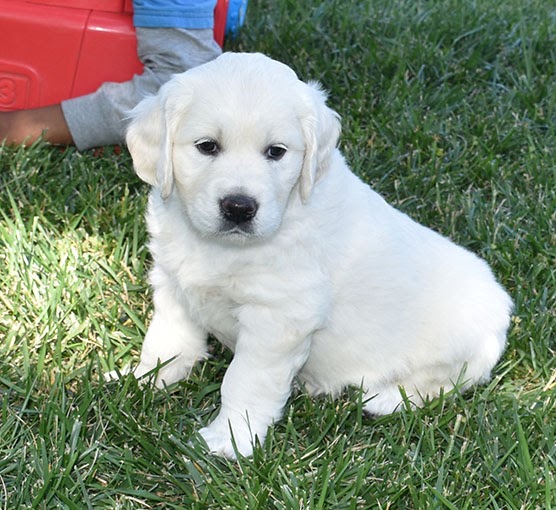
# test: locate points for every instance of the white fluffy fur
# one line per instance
(330, 283)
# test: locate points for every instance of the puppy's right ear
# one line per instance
(151, 133)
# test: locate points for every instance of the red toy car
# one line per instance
(51, 50)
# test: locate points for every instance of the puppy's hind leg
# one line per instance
(387, 400)
(173, 340)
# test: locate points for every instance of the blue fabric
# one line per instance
(174, 13)
(236, 16)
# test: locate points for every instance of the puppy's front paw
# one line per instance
(168, 373)
(115, 375)
(223, 433)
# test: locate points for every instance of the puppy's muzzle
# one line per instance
(238, 209)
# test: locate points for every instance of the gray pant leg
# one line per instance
(101, 118)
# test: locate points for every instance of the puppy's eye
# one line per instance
(276, 152)
(207, 147)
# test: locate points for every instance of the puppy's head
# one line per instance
(234, 139)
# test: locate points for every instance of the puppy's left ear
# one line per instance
(321, 129)
(150, 135)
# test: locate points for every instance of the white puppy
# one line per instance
(263, 237)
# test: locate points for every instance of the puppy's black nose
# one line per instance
(238, 208)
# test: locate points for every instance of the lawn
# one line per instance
(449, 111)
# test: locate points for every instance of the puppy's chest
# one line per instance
(215, 309)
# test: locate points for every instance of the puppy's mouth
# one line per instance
(242, 229)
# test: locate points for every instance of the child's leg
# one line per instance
(101, 118)
(26, 126)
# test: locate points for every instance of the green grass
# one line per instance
(449, 111)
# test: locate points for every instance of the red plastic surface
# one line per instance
(108, 53)
(92, 5)
(220, 16)
(50, 52)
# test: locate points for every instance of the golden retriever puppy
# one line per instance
(263, 237)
